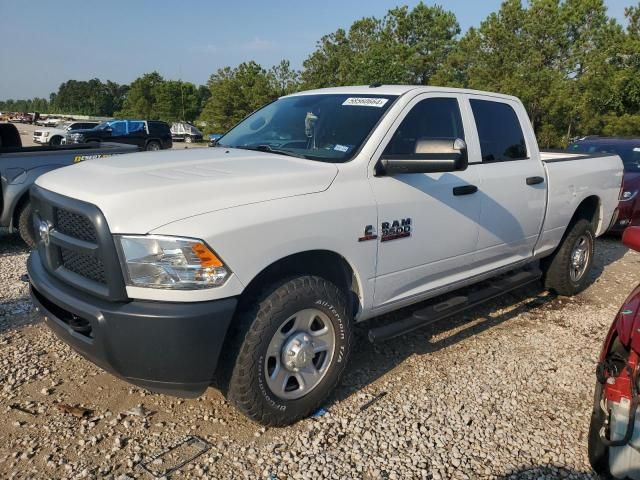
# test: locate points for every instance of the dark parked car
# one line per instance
(21, 166)
(147, 135)
(629, 150)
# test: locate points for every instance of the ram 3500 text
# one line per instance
(250, 262)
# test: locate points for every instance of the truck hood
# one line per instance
(142, 191)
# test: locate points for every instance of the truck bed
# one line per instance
(567, 188)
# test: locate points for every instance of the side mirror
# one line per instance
(431, 156)
(631, 238)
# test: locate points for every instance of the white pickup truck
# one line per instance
(249, 263)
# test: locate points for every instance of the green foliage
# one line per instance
(237, 92)
(90, 97)
(573, 67)
(576, 70)
(406, 46)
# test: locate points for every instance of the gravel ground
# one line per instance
(504, 392)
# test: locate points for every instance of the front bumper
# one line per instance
(165, 347)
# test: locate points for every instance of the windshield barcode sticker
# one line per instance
(365, 102)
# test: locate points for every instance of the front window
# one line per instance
(325, 127)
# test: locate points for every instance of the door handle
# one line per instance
(534, 180)
(464, 190)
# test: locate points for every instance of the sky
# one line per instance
(46, 42)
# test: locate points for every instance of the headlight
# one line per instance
(46, 134)
(170, 262)
(76, 137)
(628, 195)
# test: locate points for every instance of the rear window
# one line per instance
(159, 128)
(501, 137)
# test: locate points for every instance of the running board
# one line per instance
(453, 305)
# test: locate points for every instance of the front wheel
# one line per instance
(25, 225)
(292, 348)
(567, 270)
(57, 140)
(188, 139)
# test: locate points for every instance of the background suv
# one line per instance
(147, 135)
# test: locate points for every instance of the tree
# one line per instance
(558, 57)
(284, 79)
(141, 98)
(406, 46)
(235, 93)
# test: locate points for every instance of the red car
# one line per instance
(614, 433)
(629, 151)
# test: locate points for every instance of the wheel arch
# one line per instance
(17, 208)
(324, 263)
(590, 208)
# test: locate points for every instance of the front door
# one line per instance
(427, 224)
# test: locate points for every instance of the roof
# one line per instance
(396, 90)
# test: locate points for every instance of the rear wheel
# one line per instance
(25, 225)
(567, 270)
(188, 139)
(153, 146)
(292, 348)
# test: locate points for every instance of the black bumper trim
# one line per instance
(167, 347)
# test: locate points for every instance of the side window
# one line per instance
(501, 137)
(118, 128)
(135, 127)
(432, 118)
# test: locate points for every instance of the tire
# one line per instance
(279, 315)
(153, 146)
(565, 273)
(188, 139)
(55, 140)
(25, 225)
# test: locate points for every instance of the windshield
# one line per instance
(630, 154)
(326, 127)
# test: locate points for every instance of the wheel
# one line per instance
(25, 225)
(153, 146)
(55, 140)
(188, 139)
(292, 347)
(567, 270)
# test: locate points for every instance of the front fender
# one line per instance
(15, 188)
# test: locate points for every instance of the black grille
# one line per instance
(75, 225)
(85, 265)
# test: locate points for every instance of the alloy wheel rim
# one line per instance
(299, 354)
(580, 256)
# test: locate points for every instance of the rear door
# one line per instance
(513, 194)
